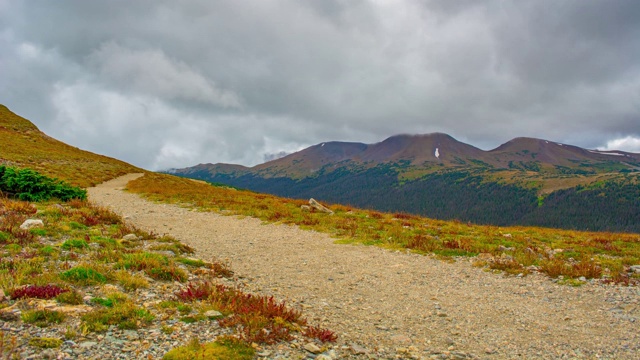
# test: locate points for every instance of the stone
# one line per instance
(305, 208)
(130, 237)
(401, 339)
(635, 268)
(213, 314)
(312, 348)
(31, 223)
(324, 357)
(316, 205)
(265, 353)
(358, 350)
(87, 344)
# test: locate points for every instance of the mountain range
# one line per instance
(523, 181)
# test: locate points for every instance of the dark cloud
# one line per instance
(170, 84)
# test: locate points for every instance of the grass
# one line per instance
(42, 318)
(225, 348)
(81, 251)
(23, 145)
(567, 253)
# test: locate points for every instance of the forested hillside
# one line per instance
(612, 205)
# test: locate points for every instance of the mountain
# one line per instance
(523, 181)
(24, 145)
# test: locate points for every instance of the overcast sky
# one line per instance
(170, 83)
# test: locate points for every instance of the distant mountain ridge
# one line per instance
(424, 151)
(524, 181)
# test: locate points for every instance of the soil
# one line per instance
(380, 301)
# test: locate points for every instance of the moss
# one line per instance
(225, 348)
(45, 343)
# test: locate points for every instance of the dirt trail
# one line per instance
(399, 302)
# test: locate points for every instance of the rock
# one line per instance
(401, 339)
(31, 223)
(265, 353)
(507, 235)
(305, 207)
(213, 314)
(312, 348)
(635, 268)
(316, 205)
(324, 357)
(130, 237)
(358, 350)
(87, 344)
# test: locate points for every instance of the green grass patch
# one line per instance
(224, 348)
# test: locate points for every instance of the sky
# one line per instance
(170, 84)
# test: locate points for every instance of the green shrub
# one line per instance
(42, 318)
(74, 244)
(45, 343)
(71, 297)
(83, 275)
(224, 348)
(123, 314)
(29, 185)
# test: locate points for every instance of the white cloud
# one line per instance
(628, 144)
(151, 71)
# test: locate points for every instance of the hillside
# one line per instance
(24, 145)
(525, 181)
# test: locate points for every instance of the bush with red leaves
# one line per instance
(37, 291)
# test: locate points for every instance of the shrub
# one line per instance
(224, 348)
(130, 281)
(42, 318)
(323, 335)
(36, 291)
(45, 343)
(123, 314)
(83, 275)
(74, 244)
(29, 185)
(71, 297)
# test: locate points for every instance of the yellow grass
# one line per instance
(24, 146)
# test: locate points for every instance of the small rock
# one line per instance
(312, 348)
(489, 351)
(264, 353)
(324, 357)
(401, 339)
(635, 268)
(358, 350)
(87, 344)
(441, 314)
(31, 223)
(213, 314)
(130, 237)
(316, 205)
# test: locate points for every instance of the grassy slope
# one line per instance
(24, 146)
(514, 250)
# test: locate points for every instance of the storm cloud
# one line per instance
(174, 83)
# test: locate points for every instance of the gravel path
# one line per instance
(399, 304)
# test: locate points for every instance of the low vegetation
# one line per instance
(29, 185)
(85, 256)
(24, 146)
(513, 250)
